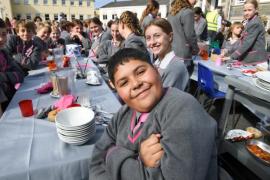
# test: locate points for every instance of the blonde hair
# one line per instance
(55, 29)
(254, 2)
(151, 6)
(235, 24)
(131, 21)
(177, 5)
(43, 25)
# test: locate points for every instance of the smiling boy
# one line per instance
(161, 133)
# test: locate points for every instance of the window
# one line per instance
(114, 16)
(28, 16)
(55, 17)
(81, 17)
(16, 1)
(238, 2)
(45, 1)
(72, 2)
(38, 14)
(72, 16)
(80, 2)
(26, 2)
(54, 1)
(18, 16)
(63, 2)
(104, 16)
(87, 2)
(47, 17)
(35, 1)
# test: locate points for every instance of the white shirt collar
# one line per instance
(165, 61)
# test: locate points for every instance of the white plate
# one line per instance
(258, 85)
(93, 84)
(75, 116)
(264, 75)
(54, 95)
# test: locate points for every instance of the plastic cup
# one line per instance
(26, 107)
(218, 61)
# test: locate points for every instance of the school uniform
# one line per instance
(85, 42)
(200, 28)
(56, 44)
(173, 71)
(106, 50)
(10, 74)
(188, 140)
(40, 43)
(146, 21)
(26, 54)
(230, 46)
(252, 43)
(136, 42)
(97, 42)
(184, 37)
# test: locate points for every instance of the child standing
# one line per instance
(232, 41)
(181, 18)
(252, 45)
(22, 48)
(10, 72)
(156, 135)
(159, 37)
(150, 13)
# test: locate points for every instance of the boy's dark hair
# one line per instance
(125, 55)
(2, 23)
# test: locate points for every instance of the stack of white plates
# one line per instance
(263, 80)
(75, 125)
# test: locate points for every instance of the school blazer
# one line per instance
(252, 43)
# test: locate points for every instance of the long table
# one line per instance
(30, 147)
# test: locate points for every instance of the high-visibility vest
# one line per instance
(212, 18)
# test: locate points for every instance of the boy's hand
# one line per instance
(151, 151)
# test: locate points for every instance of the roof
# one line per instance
(132, 3)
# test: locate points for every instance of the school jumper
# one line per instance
(10, 74)
(230, 47)
(136, 42)
(188, 139)
(26, 54)
(173, 71)
(252, 43)
(146, 21)
(184, 38)
(106, 50)
(98, 41)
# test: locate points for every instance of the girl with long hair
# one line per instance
(150, 13)
(184, 43)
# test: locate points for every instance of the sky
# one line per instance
(99, 3)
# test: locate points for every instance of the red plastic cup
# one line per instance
(26, 107)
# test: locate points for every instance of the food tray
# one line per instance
(263, 146)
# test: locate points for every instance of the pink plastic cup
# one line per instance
(26, 107)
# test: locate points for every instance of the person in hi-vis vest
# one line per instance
(214, 21)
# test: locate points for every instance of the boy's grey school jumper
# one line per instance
(184, 37)
(188, 139)
(252, 43)
(27, 54)
(136, 42)
(175, 74)
(105, 51)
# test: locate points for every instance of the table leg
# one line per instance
(226, 111)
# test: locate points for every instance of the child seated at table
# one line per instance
(10, 72)
(55, 41)
(159, 37)
(22, 48)
(161, 133)
(232, 41)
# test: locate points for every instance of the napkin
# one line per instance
(64, 102)
(48, 87)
